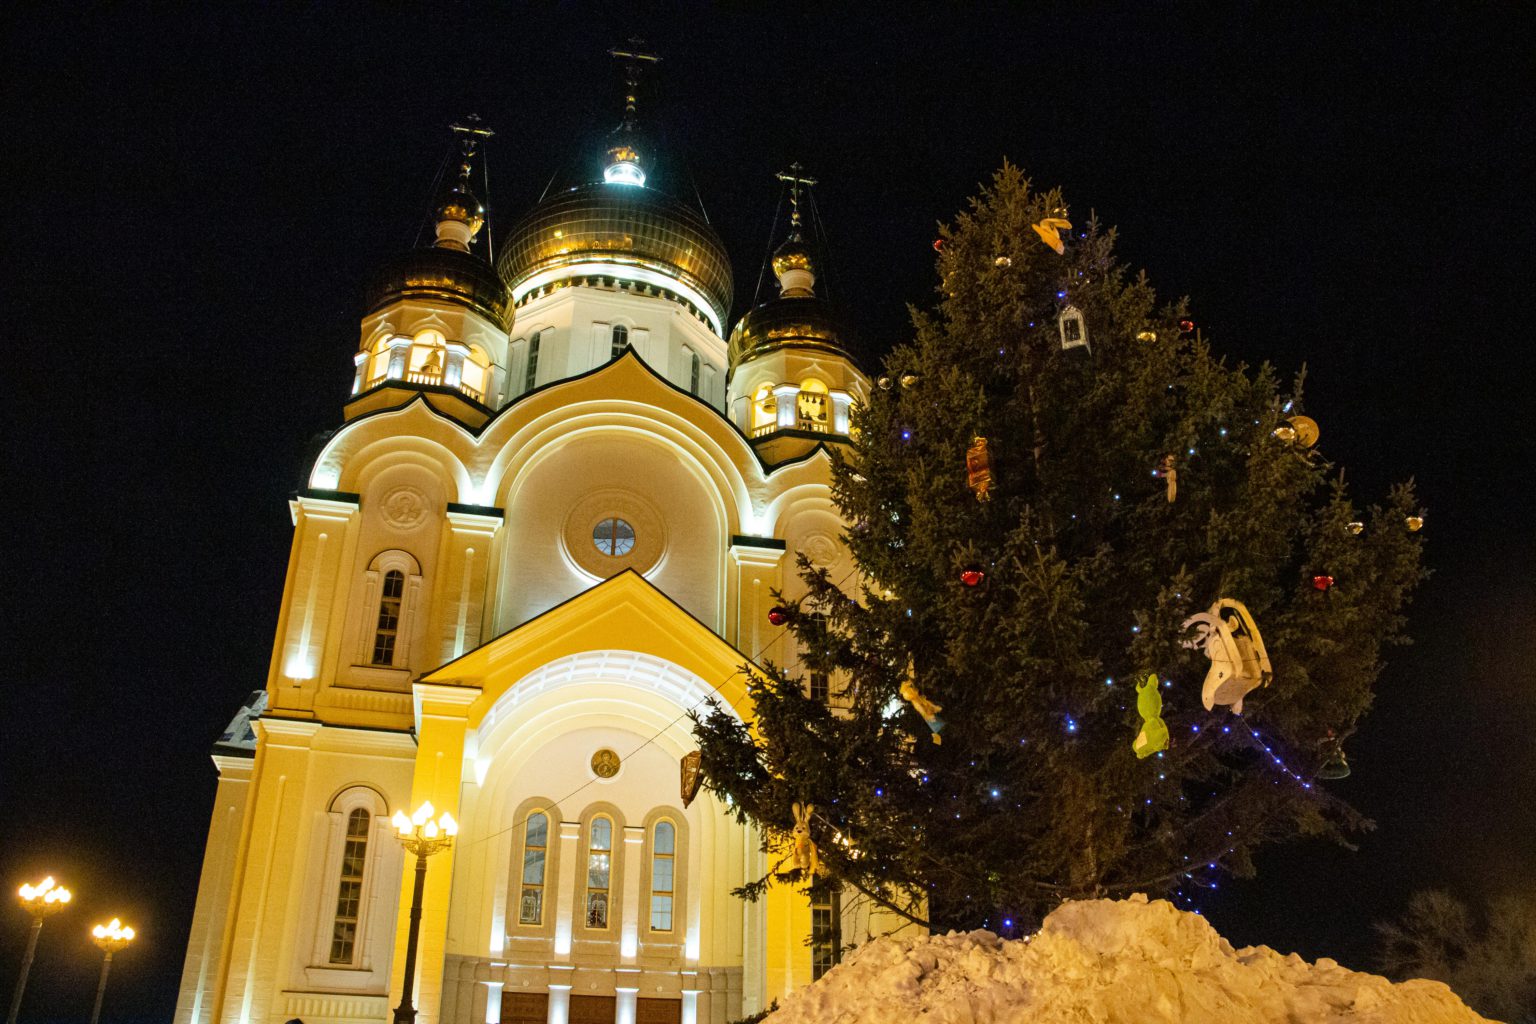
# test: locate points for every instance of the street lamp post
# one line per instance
(420, 835)
(40, 901)
(111, 938)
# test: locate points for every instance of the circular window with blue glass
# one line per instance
(614, 537)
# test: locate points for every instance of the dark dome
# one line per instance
(622, 225)
(445, 275)
(805, 322)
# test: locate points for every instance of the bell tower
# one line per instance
(793, 381)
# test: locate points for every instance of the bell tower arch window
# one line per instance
(391, 593)
(695, 368)
(388, 628)
(618, 341)
(349, 893)
(531, 368)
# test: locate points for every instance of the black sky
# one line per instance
(193, 195)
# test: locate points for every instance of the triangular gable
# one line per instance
(624, 613)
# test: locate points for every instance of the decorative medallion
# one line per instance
(605, 764)
(404, 507)
(821, 549)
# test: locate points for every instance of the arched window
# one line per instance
(663, 854)
(530, 905)
(349, 896)
(386, 631)
(618, 341)
(765, 410)
(531, 374)
(812, 406)
(599, 865)
(695, 366)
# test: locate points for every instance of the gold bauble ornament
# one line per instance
(1002, 261)
(908, 379)
(1355, 528)
(1146, 336)
(1414, 523)
(885, 383)
(1285, 432)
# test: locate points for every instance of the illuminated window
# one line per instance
(599, 863)
(618, 341)
(614, 537)
(349, 897)
(812, 405)
(530, 907)
(696, 364)
(663, 853)
(765, 410)
(531, 374)
(826, 932)
(388, 628)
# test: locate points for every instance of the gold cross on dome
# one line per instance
(634, 57)
(795, 179)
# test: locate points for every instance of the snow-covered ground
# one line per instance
(1106, 962)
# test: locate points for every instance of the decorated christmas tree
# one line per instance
(1114, 614)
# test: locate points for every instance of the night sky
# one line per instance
(193, 196)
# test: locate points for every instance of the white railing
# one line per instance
(434, 379)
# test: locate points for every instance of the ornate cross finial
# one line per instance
(796, 180)
(634, 57)
(471, 133)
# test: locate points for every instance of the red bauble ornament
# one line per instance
(1187, 326)
(938, 245)
(1321, 582)
(972, 576)
(778, 615)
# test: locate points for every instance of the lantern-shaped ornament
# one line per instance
(1074, 330)
(978, 469)
(1239, 663)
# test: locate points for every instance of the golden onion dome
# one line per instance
(789, 322)
(442, 275)
(794, 254)
(461, 205)
(623, 231)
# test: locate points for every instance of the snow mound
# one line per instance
(1106, 962)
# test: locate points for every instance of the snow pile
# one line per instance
(1106, 962)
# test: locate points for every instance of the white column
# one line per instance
(629, 929)
(785, 395)
(493, 1002)
(361, 362)
(624, 1005)
(841, 401)
(453, 366)
(559, 1004)
(399, 348)
(571, 879)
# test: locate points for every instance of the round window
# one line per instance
(613, 536)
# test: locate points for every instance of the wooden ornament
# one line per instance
(1049, 229)
(1239, 663)
(692, 776)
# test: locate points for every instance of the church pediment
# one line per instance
(623, 614)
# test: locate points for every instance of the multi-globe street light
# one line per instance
(111, 938)
(423, 836)
(41, 900)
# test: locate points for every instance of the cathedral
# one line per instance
(549, 526)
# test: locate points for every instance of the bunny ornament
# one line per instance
(803, 853)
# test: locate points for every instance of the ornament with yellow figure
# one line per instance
(802, 853)
(1049, 229)
(1239, 662)
(1154, 732)
(925, 707)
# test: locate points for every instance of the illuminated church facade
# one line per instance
(547, 529)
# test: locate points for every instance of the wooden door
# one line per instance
(594, 1009)
(524, 1007)
(658, 1011)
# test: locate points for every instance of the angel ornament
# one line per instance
(803, 853)
(1239, 663)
